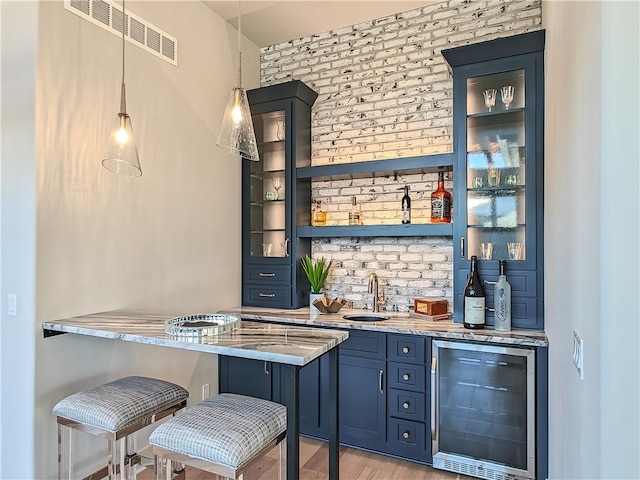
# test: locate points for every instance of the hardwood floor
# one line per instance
(354, 465)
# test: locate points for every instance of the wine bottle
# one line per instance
(502, 301)
(354, 213)
(406, 206)
(441, 203)
(474, 300)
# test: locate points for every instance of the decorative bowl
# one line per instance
(326, 305)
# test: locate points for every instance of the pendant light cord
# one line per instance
(123, 101)
(239, 72)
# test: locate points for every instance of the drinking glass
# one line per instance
(512, 180)
(266, 249)
(277, 185)
(493, 174)
(515, 250)
(489, 98)
(506, 93)
(478, 182)
(280, 130)
(487, 250)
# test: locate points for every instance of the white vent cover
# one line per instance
(108, 15)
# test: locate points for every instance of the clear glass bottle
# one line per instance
(441, 203)
(502, 301)
(474, 299)
(318, 216)
(354, 214)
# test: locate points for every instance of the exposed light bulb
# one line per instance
(236, 114)
(122, 136)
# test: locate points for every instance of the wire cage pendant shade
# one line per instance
(236, 131)
(122, 154)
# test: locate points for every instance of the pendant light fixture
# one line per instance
(122, 154)
(236, 132)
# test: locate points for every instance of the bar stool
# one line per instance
(114, 411)
(223, 435)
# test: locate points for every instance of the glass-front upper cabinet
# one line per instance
(498, 117)
(495, 168)
(268, 193)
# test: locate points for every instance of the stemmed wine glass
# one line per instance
(277, 185)
(506, 93)
(489, 98)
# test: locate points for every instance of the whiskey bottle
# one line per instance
(441, 203)
(474, 299)
(502, 301)
(318, 216)
(406, 205)
(354, 213)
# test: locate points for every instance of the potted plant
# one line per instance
(316, 272)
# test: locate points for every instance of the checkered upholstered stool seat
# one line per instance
(114, 411)
(223, 434)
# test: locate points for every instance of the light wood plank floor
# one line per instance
(314, 458)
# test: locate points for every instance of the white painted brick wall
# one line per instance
(384, 92)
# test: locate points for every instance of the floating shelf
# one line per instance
(408, 165)
(413, 230)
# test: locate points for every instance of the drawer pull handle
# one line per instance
(405, 435)
(405, 349)
(405, 405)
(405, 377)
(264, 274)
(267, 295)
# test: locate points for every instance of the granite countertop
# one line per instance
(397, 323)
(289, 344)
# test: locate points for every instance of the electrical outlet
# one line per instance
(578, 353)
(205, 391)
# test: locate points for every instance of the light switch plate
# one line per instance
(578, 353)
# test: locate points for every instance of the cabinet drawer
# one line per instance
(407, 349)
(268, 275)
(267, 296)
(406, 376)
(407, 439)
(407, 405)
(364, 344)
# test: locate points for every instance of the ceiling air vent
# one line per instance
(108, 15)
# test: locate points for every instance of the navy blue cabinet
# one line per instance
(498, 111)
(272, 197)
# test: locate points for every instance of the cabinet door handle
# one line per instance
(267, 295)
(380, 375)
(266, 368)
(266, 274)
(405, 349)
(286, 247)
(462, 248)
(434, 399)
(405, 405)
(405, 377)
(405, 435)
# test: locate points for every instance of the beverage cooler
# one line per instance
(483, 410)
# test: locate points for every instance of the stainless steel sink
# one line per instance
(365, 317)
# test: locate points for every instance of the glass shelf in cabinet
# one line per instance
(502, 113)
(496, 228)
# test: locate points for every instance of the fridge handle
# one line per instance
(434, 399)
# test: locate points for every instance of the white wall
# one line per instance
(591, 236)
(168, 241)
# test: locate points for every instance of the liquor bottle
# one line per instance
(474, 300)
(318, 216)
(502, 301)
(441, 203)
(354, 213)
(406, 205)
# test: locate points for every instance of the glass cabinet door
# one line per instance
(496, 181)
(268, 192)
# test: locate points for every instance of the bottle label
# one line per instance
(441, 207)
(474, 310)
(406, 214)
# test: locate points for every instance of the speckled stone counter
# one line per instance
(289, 344)
(397, 323)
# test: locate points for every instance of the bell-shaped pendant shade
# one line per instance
(236, 132)
(122, 154)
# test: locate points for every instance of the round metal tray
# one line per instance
(202, 325)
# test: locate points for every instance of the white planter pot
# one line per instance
(312, 298)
